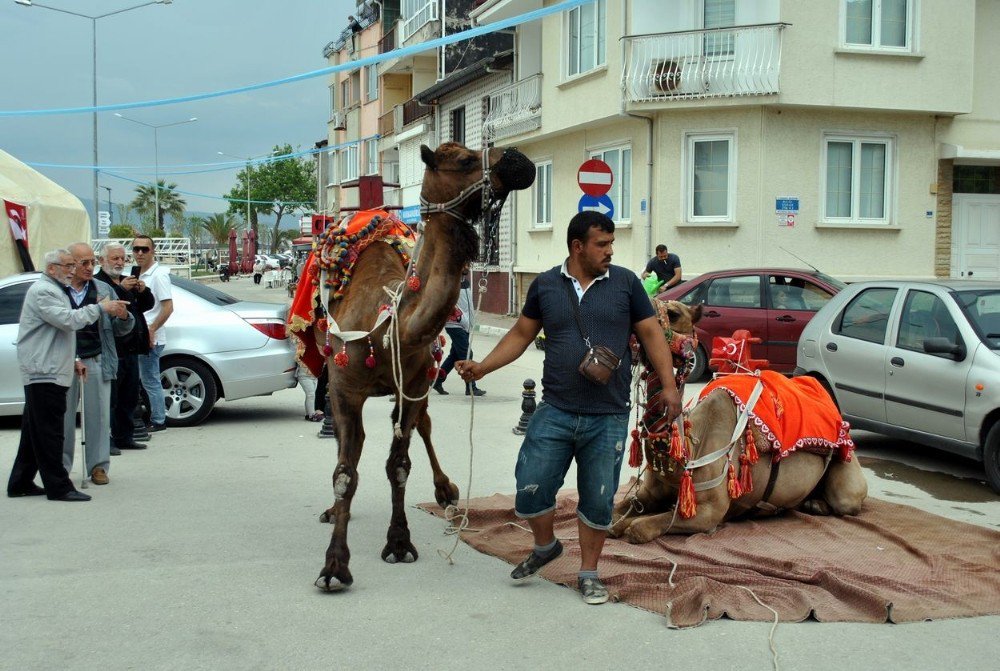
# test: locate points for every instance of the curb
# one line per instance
(497, 331)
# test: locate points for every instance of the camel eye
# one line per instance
(673, 314)
(469, 162)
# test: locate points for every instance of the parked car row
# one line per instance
(217, 347)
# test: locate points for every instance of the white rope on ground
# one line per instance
(774, 627)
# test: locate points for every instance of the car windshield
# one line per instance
(210, 294)
(832, 281)
(982, 307)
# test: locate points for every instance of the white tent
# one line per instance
(56, 217)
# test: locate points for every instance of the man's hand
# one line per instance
(129, 282)
(80, 369)
(469, 370)
(115, 308)
(152, 337)
(672, 399)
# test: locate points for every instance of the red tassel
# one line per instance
(686, 503)
(432, 373)
(635, 450)
(341, 358)
(370, 361)
(734, 485)
(750, 447)
(676, 445)
(746, 475)
(413, 283)
(322, 324)
(437, 354)
(327, 350)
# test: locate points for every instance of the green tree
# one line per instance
(278, 187)
(121, 231)
(125, 215)
(218, 226)
(170, 203)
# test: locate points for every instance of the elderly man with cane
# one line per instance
(45, 347)
(97, 353)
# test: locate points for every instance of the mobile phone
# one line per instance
(135, 271)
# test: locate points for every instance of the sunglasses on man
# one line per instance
(144, 250)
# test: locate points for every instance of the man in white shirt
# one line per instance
(157, 278)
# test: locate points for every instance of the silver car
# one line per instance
(217, 347)
(914, 360)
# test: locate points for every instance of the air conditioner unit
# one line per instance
(666, 76)
(339, 121)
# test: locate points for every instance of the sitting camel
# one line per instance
(752, 445)
(384, 313)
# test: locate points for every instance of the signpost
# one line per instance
(787, 209)
(595, 177)
(103, 224)
(602, 205)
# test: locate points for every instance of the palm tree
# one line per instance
(218, 226)
(170, 201)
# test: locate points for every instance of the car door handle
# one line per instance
(832, 346)
(712, 313)
(784, 318)
(897, 361)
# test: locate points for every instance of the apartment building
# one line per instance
(862, 136)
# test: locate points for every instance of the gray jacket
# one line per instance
(46, 338)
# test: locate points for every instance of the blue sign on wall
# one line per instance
(410, 215)
(602, 204)
(786, 205)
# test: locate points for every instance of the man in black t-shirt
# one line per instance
(666, 266)
(586, 298)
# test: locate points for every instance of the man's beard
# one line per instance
(115, 273)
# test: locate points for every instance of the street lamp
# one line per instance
(93, 37)
(156, 154)
(249, 171)
(108, 188)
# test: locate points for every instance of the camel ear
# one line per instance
(696, 313)
(428, 157)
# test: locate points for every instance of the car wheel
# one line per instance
(991, 457)
(189, 389)
(829, 390)
(700, 365)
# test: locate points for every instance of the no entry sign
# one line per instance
(595, 178)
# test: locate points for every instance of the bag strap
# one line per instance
(575, 302)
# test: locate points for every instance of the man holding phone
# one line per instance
(125, 389)
(157, 278)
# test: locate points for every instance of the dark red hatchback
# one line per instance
(774, 304)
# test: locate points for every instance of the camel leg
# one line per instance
(712, 507)
(842, 491)
(397, 468)
(336, 575)
(651, 497)
(445, 491)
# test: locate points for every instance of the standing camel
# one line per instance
(460, 186)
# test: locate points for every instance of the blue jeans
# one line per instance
(553, 439)
(149, 373)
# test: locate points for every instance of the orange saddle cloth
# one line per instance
(791, 413)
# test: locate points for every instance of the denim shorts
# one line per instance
(553, 439)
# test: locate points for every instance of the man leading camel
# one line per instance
(578, 418)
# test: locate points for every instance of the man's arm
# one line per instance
(651, 336)
(166, 309)
(509, 348)
(675, 280)
(649, 269)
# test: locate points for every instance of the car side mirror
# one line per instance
(955, 351)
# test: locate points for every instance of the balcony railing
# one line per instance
(413, 110)
(712, 63)
(386, 124)
(421, 17)
(515, 109)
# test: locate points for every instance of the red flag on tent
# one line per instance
(17, 215)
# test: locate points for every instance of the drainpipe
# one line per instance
(649, 145)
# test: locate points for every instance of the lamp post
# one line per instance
(156, 154)
(108, 189)
(249, 162)
(93, 37)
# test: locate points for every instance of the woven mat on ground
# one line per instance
(890, 563)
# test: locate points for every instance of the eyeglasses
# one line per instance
(67, 265)
(143, 250)
(86, 264)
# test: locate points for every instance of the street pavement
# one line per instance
(202, 552)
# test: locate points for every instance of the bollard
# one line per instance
(527, 407)
(326, 431)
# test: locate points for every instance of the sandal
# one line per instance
(315, 417)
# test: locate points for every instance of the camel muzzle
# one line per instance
(514, 170)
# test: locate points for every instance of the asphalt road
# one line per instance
(201, 554)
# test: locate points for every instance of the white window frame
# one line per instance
(622, 182)
(889, 182)
(876, 42)
(348, 163)
(542, 191)
(690, 139)
(371, 82)
(371, 157)
(333, 101)
(600, 46)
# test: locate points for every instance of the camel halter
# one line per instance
(490, 204)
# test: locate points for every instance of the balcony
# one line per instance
(386, 124)
(413, 110)
(695, 64)
(417, 20)
(388, 41)
(515, 109)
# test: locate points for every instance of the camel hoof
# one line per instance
(331, 584)
(325, 517)
(815, 507)
(406, 555)
(447, 495)
(634, 534)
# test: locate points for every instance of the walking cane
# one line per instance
(83, 437)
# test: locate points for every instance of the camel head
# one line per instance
(453, 175)
(677, 317)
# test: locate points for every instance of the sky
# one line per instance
(158, 52)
